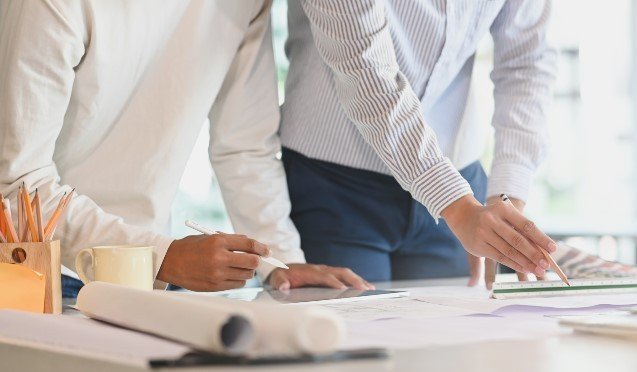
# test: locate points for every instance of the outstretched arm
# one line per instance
(354, 41)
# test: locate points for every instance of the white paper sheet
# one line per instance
(478, 301)
(85, 338)
(394, 308)
(437, 316)
(428, 332)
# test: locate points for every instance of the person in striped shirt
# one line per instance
(375, 146)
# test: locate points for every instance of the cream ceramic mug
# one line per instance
(127, 265)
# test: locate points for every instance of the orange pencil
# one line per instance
(3, 238)
(555, 266)
(50, 226)
(13, 235)
(3, 230)
(21, 232)
(29, 214)
(3, 226)
(548, 257)
(67, 200)
(25, 237)
(38, 216)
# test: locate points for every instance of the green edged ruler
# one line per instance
(558, 288)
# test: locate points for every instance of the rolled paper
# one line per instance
(208, 326)
(215, 323)
(284, 329)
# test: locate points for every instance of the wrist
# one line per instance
(459, 209)
(517, 203)
(165, 270)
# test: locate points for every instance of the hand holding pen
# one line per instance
(490, 266)
(523, 277)
(500, 232)
(213, 261)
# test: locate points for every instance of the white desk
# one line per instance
(560, 354)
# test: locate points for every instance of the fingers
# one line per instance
(490, 271)
(319, 275)
(347, 276)
(232, 273)
(493, 252)
(244, 244)
(475, 269)
(529, 230)
(300, 275)
(242, 261)
(522, 276)
(279, 280)
(505, 248)
(331, 281)
(526, 255)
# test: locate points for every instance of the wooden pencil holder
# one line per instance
(43, 258)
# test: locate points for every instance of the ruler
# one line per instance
(558, 288)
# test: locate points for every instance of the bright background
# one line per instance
(585, 192)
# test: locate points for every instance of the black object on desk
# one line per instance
(207, 359)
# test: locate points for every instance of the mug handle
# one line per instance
(79, 264)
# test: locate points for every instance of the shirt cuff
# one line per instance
(161, 245)
(514, 180)
(440, 186)
(287, 255)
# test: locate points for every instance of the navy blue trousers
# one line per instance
(364, 220)
(70, 286)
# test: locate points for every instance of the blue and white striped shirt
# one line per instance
(382, 86)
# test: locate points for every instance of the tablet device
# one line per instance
(327, 295)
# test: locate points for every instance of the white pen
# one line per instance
(271, 260)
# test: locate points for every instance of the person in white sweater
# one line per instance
(108, 97)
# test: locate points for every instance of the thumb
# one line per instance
(279, 281)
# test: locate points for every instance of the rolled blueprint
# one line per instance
(215, 323)
(210, 326)
(284, 329)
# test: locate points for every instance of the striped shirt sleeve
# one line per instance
(523, 76)
(354, 40)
